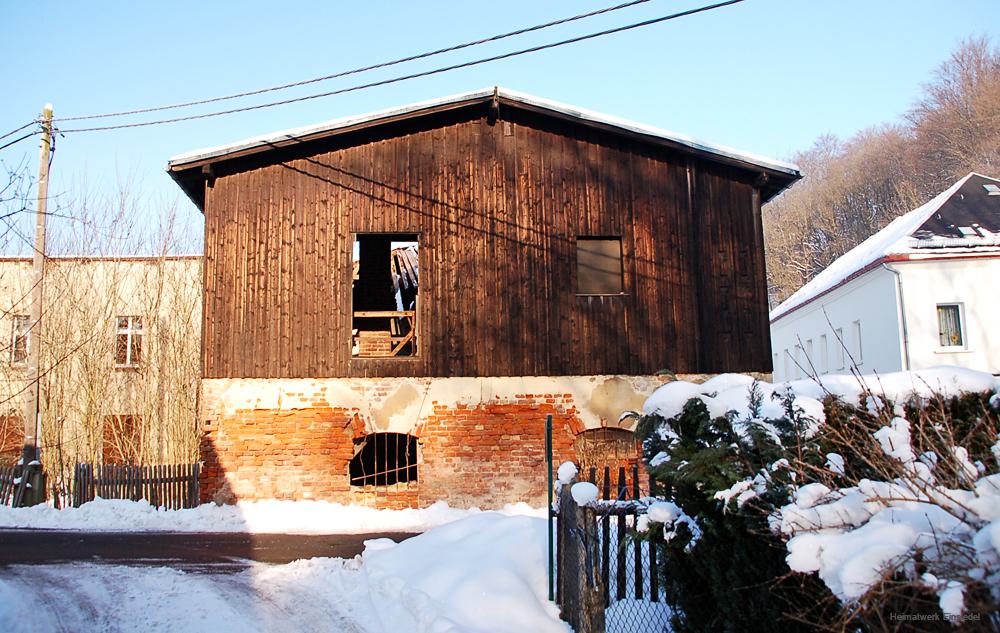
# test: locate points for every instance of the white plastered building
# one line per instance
(923, 291)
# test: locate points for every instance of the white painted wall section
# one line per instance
(971, 283)
(862, 313)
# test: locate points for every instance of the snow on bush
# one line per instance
(895, 485)
(937, 518)
(270, 516)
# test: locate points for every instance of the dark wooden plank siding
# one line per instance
(497, 209)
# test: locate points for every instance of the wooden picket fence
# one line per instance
(7, 486)
(171, 486)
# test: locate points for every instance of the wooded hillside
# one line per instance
(854, 187)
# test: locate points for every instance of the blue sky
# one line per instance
(766, 76)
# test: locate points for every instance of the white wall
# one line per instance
(868, 304)
(974, 284)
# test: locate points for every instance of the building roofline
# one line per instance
(188, 162)
(896, 258)
(883, 242)
(102, 258)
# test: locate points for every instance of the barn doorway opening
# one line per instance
(385, 287)
(607, 457)
(384, 459)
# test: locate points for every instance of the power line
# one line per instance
(13, 132)
(18, 140)
(354, 71)
(436, 71)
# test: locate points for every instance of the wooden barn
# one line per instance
(394, 302)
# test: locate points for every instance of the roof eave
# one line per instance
(186, 169)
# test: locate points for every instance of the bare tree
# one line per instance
(854, 188)
(120, 354)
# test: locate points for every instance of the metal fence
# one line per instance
(634, 600)
(629, 582)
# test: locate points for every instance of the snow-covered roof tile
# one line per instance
(907, 234)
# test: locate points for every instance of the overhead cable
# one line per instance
(355, 71)
(426, 73)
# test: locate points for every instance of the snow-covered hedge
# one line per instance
(886, 488)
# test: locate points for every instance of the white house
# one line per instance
(923, 291)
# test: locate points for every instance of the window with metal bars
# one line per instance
(384, 459)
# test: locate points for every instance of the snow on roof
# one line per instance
(894, 239)
(221, 151)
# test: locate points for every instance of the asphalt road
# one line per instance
(205, 552)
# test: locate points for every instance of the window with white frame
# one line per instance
(128, 341)
(950, 333)
(19, 339)
(858, 351)
(840, 343)
(824, 354)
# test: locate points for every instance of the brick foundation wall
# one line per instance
(493, 454)
(481, 442)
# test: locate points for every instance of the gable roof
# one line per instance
(964, 217)
(185, 168)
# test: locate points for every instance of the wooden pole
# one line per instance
(32, 410)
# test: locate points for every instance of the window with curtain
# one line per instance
(950, 325)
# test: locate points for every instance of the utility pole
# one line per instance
(31, 490)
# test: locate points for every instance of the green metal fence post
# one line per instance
(548, 464)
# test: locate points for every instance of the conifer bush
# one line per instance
(727, 569)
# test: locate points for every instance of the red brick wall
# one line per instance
(491, 454)
(471, 455)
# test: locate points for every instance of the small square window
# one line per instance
(950, 325)
(599, 265)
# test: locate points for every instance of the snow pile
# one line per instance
(854, 536)
(262, 517)
(484, 573)
(897, 386)
(731, 393)
(584, 493)
(567, 471)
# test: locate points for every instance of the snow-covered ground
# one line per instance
(260, 517)
(483, 573)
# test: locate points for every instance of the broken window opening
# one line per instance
(384, 459)
(385, 285)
